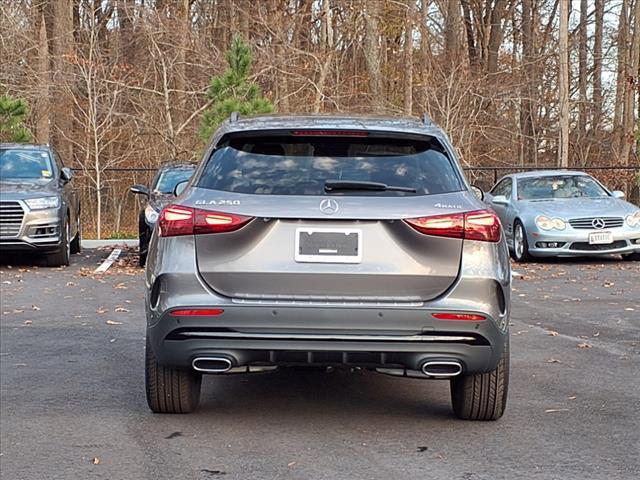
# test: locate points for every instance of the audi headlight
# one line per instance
(633, 220)
(42, 203)
(546, 223)
(151, 214)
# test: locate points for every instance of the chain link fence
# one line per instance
(120, 208)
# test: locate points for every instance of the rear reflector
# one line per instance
(468, 317)
(329, 133)
(197, 312)
(481, 225)
(179, 220)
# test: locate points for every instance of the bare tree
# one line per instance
(629, 117)
(372, 54)
(563, 84)
(408, 57)
(597, 64)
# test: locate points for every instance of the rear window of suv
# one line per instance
(290, 165)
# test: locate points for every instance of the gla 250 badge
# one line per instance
(217, 202)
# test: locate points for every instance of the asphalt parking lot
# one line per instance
(73, 405)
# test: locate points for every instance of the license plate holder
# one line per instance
(328, 245)
(600, 238)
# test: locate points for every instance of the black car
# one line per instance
(39, 206)
(160, 195)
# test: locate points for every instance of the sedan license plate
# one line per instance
(600, 238)
(328, 245)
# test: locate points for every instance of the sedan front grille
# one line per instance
(11, 215)
(587, 223)
(598, 246)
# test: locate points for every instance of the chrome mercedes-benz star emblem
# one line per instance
(598, 223)
(329, 206)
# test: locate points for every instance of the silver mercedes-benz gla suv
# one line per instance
(328, 241)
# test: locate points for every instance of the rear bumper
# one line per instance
(372, 335)
(349, 336)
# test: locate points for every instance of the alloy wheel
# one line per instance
(518, 241)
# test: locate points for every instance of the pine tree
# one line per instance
(233, 91)
(13, 113)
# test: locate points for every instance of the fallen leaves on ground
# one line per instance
(113, 322)
(585, 345)
(555, 410)
(121, 310)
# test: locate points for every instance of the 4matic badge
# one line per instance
(446, 205)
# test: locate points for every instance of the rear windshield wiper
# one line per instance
(332, 185)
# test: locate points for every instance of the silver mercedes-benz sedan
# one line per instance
(328, 241)
(563, 213)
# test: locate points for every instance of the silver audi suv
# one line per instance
(328, 241)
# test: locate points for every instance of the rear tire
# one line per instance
(482, 396)
(520, 244)
(61, 257)
(170, 390)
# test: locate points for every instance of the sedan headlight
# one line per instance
(546, 223)
(633, 220)
(42, 203)
(151, 214)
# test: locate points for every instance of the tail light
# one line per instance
(481, 225)
(197, 312)
(467, 317)
(178, 220)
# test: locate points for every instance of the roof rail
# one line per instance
(235, 116)
(426, 119)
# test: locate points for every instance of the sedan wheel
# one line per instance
(520, 244)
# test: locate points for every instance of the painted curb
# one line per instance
(109, 243)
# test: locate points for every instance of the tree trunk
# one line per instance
(408, 58)
(495, 35)
(597, 66)
(452, 26)
(468, 26)
(526, 112)
(181, 68)
(628, 115)
(372, 55)
(63, 50)
(42, 105)
(582, 70)
(623, 33)
(563, 84)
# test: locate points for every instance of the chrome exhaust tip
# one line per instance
(212, 364)
(441, 369)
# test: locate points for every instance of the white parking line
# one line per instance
(109, 261)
